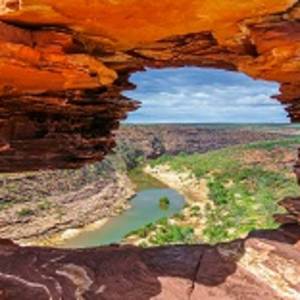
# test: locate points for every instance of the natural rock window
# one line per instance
(64, 66)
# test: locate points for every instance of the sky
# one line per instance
(199, 95)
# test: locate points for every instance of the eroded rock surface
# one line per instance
(264, 266)
(40, 205)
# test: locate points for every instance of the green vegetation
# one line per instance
(244, 194)
(199, 164)
(245, 201)
(270, 145)
(195, 211)
(142, 232)
(164, 203)
(44, 205)
(245, 183)
(25, 212)
(172, 234)
(163, 232)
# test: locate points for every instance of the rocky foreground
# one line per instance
(263, 266)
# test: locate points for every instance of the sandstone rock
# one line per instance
(263, 266)
(151, 141)
(64, 65)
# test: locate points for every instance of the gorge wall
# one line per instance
(152, 141)
(38, 207)
(63, 67)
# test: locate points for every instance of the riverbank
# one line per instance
(60, 238)
(83, 210)
(229, 192)
(245, 185)
(144, 209)
(187, 225)
(103, 231)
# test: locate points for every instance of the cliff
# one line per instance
(37, 206)
(152, 141)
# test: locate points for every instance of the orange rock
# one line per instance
(65, 58)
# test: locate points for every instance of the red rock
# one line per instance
(239, 270)
(71, 61)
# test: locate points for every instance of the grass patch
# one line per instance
(270, 145)
(25, 212)
(44, 205)
(163, 232)
(172, 234)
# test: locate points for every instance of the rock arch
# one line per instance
(63, 66)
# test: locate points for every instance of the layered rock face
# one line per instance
(152, 141)
(40, 205)
(56, 107)
(64, 65)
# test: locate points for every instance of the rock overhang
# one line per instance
(64, 65)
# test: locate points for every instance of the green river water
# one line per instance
(144, 209)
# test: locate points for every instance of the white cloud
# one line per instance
(204, 96)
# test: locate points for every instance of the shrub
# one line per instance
(44, 205)
(218, 193)
(164, 203)
(25, 212)
(179, 216)
(173, 234)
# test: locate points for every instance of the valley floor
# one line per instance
(44, 207)
(230, 192)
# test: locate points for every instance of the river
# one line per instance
(144, 209)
